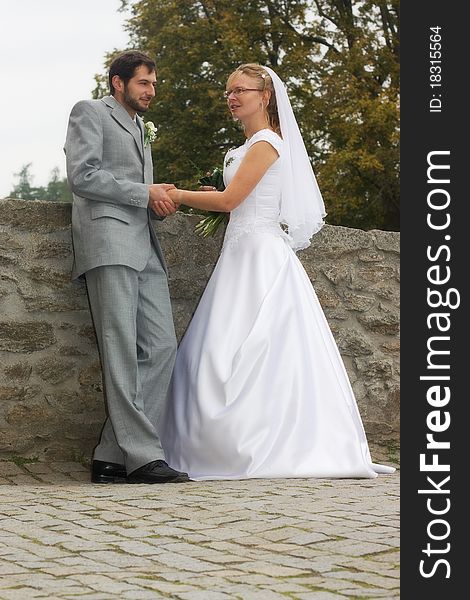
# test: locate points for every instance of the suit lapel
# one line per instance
(120, 114)
(148, 167)
(140, 126)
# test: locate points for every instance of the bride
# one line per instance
(259, 388)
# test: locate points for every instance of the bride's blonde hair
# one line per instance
(265, 82)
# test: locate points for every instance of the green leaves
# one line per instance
(209, 225)
(214, 179)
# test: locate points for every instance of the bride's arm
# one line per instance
(254, 165)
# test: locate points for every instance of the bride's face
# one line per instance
(243, 96)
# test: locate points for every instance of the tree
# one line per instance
(56, 189)
(356, 100)
(339, 59)
(23, 188)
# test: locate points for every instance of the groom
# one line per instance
(109, 169)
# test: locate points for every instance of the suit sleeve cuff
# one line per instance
(140, 195)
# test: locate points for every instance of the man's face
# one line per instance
(140, 89)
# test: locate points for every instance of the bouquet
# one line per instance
(209, 224)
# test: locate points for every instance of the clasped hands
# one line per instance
(163, 198)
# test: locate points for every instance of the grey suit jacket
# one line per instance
(109, 171)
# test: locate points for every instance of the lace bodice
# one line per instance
(259, 212)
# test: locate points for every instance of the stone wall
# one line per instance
(50, 384)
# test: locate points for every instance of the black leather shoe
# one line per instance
(156, 471)
(107, 472)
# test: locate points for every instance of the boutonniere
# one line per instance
(150, 134)
(229, 161)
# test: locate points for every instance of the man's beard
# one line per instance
(134, 104)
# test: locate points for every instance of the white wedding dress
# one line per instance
(259, 388)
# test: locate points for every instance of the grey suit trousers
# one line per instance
(134, 326)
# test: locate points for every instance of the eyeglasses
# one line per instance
(239, 91)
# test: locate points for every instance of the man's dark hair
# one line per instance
(125, 65)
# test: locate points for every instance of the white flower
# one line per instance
(150, 132)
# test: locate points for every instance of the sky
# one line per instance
(50, 51)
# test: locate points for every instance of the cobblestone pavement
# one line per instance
(61, 537)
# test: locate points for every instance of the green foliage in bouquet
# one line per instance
(209, 224)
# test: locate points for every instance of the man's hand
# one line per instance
(159, 200)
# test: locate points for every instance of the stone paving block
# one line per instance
(367, 578)
(8, 568)
(159, 543)
(31, 564)
(320, 596)
(307, 539)
(156, 584)
(254, 579)
(266, 568)
(204, 595)
(114, 517)
(233, 548)
(163, 530)
(286, 588)
(351, 547)
(252, 593)
(277, 548)
(246, 541)
(67, 571)
(367, 588)
(287, 561)
(20, 593)
(134, 513)
(140, 595)
(135, 547)
(369, 565)
(324, 563)
(77, 545)
(309, 552)
(90, 596)
(369, 593)
(226, 533)
(4, 548)
(283, 533)
(390, 556)
(103, 583)
(204, 553)
(116, 559)
(227, 571)
(186, 563)
(85, 564)
(196, 538)
(36, 549)
(46, 590)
